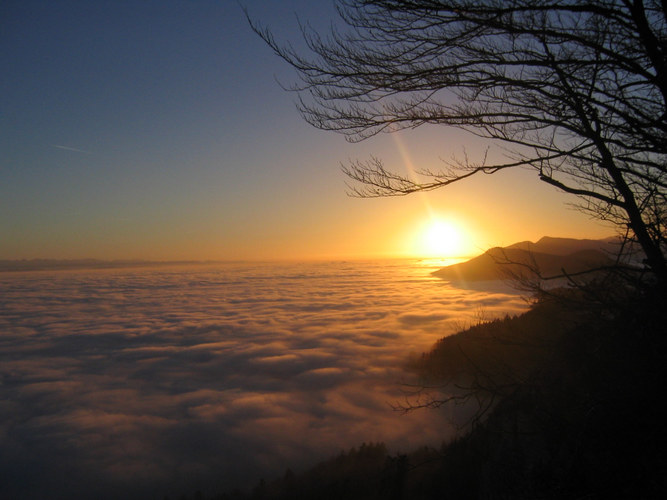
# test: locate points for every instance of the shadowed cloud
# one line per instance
(156, 381)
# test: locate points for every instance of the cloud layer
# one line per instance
(156, 381)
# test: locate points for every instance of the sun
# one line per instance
(441, 239)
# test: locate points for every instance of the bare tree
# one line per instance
(575, 90)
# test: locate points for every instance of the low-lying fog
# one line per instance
(166, 380)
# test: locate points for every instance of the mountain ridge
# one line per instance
(548, 257)
(565, 246)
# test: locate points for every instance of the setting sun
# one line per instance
(441, 239)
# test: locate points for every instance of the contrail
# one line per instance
(68, 148)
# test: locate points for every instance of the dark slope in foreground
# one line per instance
(551, 256)
(576, 413)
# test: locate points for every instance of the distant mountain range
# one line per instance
(551, 256)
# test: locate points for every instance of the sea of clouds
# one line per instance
(147, 382)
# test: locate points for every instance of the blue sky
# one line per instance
(157, 130)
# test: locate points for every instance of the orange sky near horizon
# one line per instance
(163, 135)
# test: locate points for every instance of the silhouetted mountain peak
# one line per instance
(551, 256)
(566, 246)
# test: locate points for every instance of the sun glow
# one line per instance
(441, 238)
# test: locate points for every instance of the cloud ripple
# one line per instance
(149, 382)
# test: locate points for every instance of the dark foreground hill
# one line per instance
(549, 257)
(565, 403)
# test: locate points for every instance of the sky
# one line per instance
(158, 130)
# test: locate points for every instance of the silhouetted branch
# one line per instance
(575, 91)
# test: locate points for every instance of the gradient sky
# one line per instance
(157, 130)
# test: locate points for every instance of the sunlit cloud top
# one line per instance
(159, 380)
